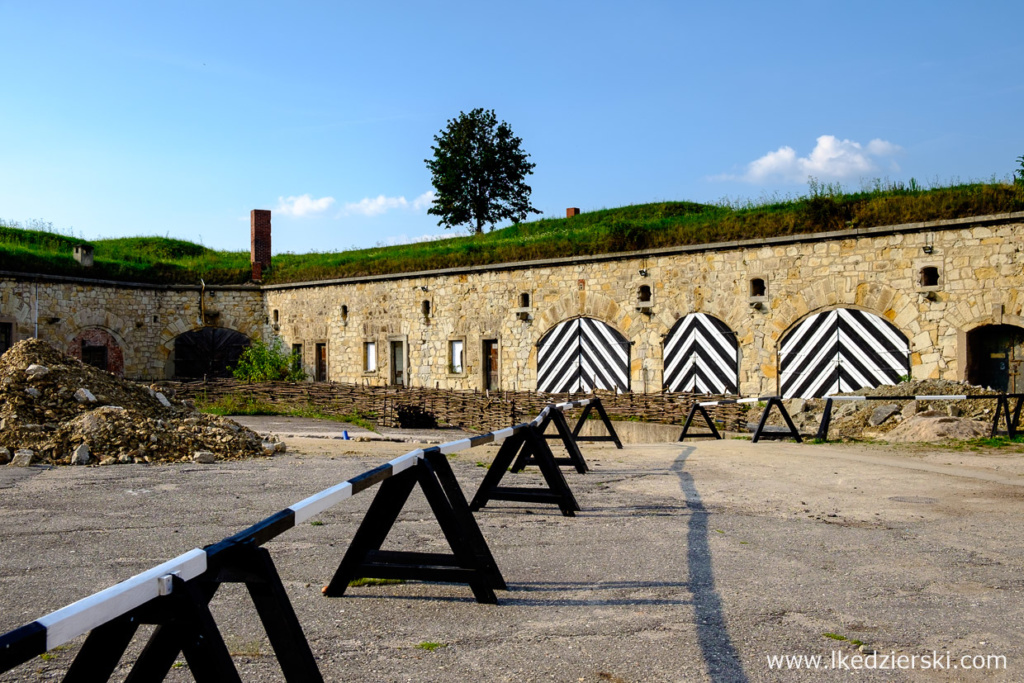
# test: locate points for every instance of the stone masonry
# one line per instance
(979, 262)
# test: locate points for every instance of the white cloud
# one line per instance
(375, 206)
(303, 205)
(424, 200)
(830, 159)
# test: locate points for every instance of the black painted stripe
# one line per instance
(369, 478)
(259, 533)
(21, 644)
(700, 353)
(582, 354)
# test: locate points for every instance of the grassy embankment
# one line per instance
(163, 260)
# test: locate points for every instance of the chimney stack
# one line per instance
(259, 220)
(569, 213)
(83, 254)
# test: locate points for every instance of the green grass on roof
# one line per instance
(642, 226)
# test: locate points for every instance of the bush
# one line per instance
(261, 362)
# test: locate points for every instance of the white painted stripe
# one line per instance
(404, 462)
(750, 400)
(318, 502)
(847, 398)
(948, 397)
(99, 608)
(455, 446)
(503, 434)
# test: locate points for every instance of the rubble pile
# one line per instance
(932, 420)
(54, 409)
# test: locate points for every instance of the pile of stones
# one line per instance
(875, 419)
(56, 410)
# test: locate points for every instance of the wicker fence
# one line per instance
(424, 407)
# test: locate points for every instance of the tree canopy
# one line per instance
(478, 172)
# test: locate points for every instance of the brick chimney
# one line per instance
(259, 220)
(569, 213)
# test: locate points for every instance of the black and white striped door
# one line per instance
(841, 350)
(701, 355)
(582, 354)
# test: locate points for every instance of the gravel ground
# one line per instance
(689, 561)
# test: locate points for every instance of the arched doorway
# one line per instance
(207, 352)
(841, 350)
(995, 354)
(98, 348)
(701, 355)
(582, 354)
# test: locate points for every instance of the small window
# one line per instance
(425, 309)
(276, 316)
(456, 356)
(757, 287)
(344, 314)
(524, 300)
(296, 357)
(644, 295)
(369, 356)
(929, 276)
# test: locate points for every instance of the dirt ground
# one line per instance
(694, 561)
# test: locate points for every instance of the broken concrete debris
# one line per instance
(77, 414)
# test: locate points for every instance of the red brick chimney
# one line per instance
(259, 220)
(569, 213)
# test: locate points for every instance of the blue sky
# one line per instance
(177, 118)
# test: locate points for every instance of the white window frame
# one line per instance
(370, 364)
(457, 366)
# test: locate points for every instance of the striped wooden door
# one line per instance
(701, 355)
(580, 355)
(841, 350)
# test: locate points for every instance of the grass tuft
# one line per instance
(356, 583)
(430, 647)
(238, 404)
(38, 248)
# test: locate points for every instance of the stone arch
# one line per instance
(701, 354)
(963, 328)
(83, 346)
(585, 304)
(838, 349)
(582, 354)
(874, 297)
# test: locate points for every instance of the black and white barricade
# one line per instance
(528, 445)
(700, 408)
(570, 437)
(1010, 416)
(175, 595)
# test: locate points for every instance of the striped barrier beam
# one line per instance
(1003, 410)
(773, 402)
(176, 576)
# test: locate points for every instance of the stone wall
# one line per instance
(979, 262)
(143, 321)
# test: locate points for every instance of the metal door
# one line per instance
(580, 355)
(841, 350)
(701, 355)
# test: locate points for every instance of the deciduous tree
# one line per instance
(478, 171)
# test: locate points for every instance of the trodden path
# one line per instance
(692, 561)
